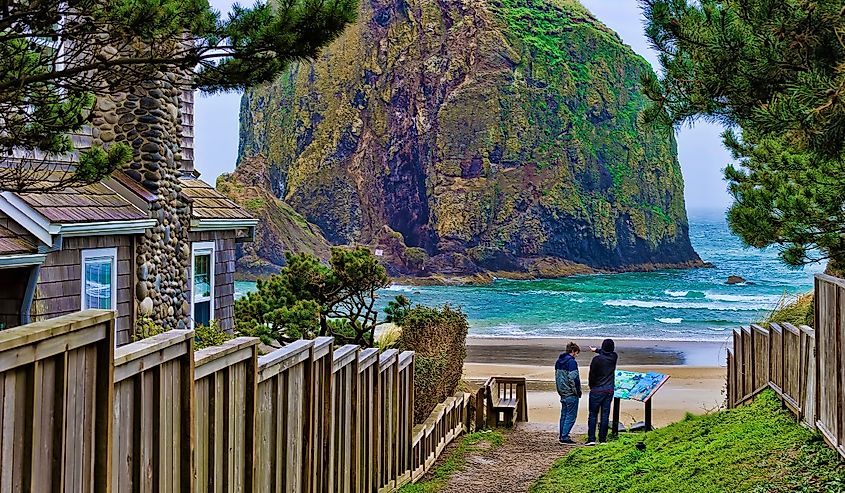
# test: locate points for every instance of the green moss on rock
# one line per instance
(503, 128)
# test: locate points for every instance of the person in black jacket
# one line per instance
(602, 382)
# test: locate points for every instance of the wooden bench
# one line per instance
(505, 397)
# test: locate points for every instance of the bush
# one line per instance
(208, 336)
(438, 336)
(145, 327)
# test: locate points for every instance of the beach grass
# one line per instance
(794, 309)
(754, 448)
(456, 461)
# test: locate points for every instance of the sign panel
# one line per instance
(638, 386)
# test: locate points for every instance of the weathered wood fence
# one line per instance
(803, 366)
(78, 415)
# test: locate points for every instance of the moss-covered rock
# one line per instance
(494, 135)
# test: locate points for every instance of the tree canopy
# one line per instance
(772, 72)
(309, 298)
(56, 57)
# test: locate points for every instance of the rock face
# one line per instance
(483, 135)
(281, 228)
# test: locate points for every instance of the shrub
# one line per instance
(145, 327)
(208, 336)
(438, 336)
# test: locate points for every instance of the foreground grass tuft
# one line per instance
(794, 309)
(755, 448)
(456, 461)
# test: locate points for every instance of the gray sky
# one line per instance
(700, 148)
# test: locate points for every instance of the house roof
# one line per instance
(12, 243)
(82, 204)
(208, 203)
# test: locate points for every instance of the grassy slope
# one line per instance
(455, 462)
(755, 448)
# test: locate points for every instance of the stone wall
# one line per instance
(148, 118)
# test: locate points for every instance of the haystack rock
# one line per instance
(470, 137)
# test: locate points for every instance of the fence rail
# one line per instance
(803, 366)
(78, 415)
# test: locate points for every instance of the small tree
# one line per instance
(308, 299)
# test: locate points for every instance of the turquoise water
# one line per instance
(693, 304)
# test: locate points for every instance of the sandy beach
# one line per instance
(696, 374)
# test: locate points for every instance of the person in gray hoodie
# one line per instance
(568, 385)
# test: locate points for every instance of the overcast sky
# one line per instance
(700, 149)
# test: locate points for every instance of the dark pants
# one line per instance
(568, 413)
(599, 402)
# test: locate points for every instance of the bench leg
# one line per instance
(509, 418)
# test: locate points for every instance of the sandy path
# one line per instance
(528, 451)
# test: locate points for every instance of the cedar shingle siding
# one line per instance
(224, 275)
(59, 287)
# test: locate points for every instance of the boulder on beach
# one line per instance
(736, 280)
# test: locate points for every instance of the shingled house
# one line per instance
(151, 241)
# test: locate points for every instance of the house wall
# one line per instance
(224, 275)
(59, 287)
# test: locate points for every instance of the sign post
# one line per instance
(636, 386)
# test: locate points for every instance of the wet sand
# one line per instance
(696, 374)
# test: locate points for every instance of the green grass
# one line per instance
(797, 310)
(455, 462)
(755, 448)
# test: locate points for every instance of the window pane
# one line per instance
(202, 277)
(202, 313)
(98, 286)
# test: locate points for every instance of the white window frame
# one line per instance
(94, 253)
(203, 248)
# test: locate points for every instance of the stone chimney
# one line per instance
(148, 118)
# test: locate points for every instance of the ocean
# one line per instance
(691, 304)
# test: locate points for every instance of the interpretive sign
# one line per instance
(638, 386)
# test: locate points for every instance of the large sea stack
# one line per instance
(465, 137)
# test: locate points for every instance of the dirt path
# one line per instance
(528, 451)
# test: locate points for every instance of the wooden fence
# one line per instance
(78, 415)
(803, 366)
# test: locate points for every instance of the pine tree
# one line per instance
(772, 72)
(56, 57)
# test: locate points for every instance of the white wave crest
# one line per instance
(676, 294)
(402, 288)
(743, 298)
(688, 305)
(669, 320)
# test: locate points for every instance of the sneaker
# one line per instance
(566, 441)
(590, 444)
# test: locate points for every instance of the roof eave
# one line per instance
(30, 219)
(222, 224)
(128, 227)
(22, 260)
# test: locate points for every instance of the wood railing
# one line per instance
(803, 366)
(78, 415)
(56, 404)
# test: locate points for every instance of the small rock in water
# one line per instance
(735, 280)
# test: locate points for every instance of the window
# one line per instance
(202, 295)
(99, 278)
